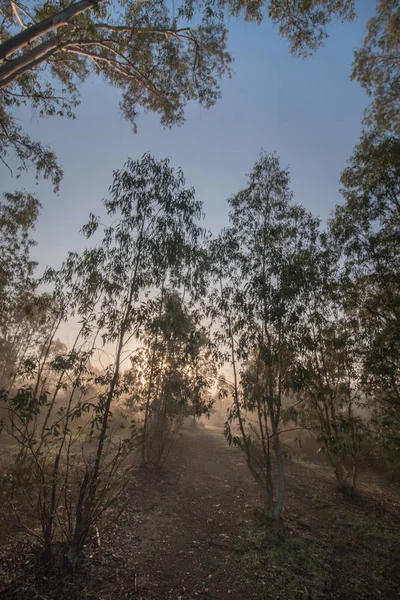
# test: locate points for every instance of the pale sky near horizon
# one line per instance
(306, 110)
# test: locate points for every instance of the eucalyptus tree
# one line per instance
(327, 371)
(172, 373)
(377, 67)
(332, 391)
(262, 264)
(160, 56)
(152, 239)
(21, 311)
(367, 227)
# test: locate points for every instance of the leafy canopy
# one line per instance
(377, 67)
(160, 56)
(367, 226)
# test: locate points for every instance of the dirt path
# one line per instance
(191, 532)
(195, 533)
(190, 521)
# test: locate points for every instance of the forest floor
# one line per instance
(193, 531)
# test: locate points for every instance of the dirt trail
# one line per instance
(195, 534)
(190, 520)
(191, 532)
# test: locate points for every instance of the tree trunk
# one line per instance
(267, 497)
(82, 522)
(354, 475)
(278, 506)
(87, 496)
(341, 475)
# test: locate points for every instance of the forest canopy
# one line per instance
(159, 56)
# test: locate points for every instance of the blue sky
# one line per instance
(306, 110)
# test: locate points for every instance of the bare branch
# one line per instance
(7, 165)
(135, 31)
(16, 14)
(124, 69)
(24, 11)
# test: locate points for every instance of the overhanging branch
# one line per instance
(29, 35)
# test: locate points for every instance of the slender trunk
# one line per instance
(269, 480)
(267, 499)
(340, 472)
(354, 474)
(160, 422)
(84, 515)
(54, 481)
(89, 486)
(146, 414)
(56, 390)
(147, 407)
(278, 506)
(120, 346)
(265, 483)
(152, 425)
(81, 526)
(236, 386)
(268, 490)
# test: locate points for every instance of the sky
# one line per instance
(308, 111)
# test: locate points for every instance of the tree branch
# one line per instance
(10, 71)
(16, 14)
(60, 19)
(124, 69)
(150, 31)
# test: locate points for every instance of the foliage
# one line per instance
(18, 215)
(305, 23)
(52, 412)
(262, 261)
(377, 67)
(24, 315)
(160, 57)
(330, 386)
(171, 373)
(367, 226)
(152, 238)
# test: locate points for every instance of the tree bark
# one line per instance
(354, 475)
(11, 70)
(278, 506)
(27, 36)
